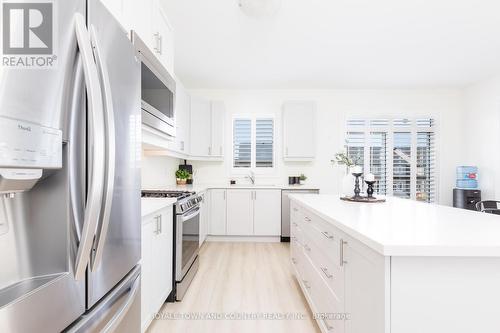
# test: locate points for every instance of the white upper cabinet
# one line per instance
(200, 127)
(163, 38)
(148, 19)
(299, 131)
(182, 118)
(267, 213)
(218, 122)
(137, 15)
(240, 212)
(207, 129)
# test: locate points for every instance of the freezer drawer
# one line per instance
(119, 311)
(285, 211)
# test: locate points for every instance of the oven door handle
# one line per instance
(184, 218)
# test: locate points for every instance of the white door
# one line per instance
(201, 114)
(240, 212)
(147, 273)
(299, 121)
(217, 212)
(218, 120)
(267, 212)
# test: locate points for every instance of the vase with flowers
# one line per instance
(348, 180)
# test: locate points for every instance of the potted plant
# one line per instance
(181, 176)
(302, 178)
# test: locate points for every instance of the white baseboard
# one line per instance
(253, 239)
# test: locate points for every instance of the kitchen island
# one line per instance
(400, 266)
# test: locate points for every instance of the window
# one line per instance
(400, 153)
(253, 143)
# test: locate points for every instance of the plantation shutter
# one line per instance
(378, 160)
(426, 161)
(264, 143)
(242, 143)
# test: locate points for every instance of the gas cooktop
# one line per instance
(166, 194)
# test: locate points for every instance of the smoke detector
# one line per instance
(260, 8)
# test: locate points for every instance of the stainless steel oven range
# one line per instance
(186, 238)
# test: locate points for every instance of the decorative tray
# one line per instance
(363, 199)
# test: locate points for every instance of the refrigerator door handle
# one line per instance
(118, 317)
(109, 118)
(96, 144)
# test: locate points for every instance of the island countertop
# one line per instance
(401, 227)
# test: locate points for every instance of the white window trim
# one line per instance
(391, 129)
(258, 171)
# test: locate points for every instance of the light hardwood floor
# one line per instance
(240, 278)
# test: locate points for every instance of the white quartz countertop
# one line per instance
(203, 187)
(402, 227)
(152, 205)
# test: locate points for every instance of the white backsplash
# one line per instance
(159, 171)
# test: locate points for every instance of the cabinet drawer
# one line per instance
(326, 236)
(328, 270)
(325, 303)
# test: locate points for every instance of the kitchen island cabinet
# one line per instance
(399, 267)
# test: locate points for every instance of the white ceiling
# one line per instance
(322, 44)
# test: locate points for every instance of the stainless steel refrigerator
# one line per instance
(70, 175)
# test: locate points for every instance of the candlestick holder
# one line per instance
(357, 189)
(369, 191)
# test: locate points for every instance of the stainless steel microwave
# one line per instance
(157, 90)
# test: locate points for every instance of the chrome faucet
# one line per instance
(251, 177)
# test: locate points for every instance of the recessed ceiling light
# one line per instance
(260, 8)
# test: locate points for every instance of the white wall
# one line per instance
(158, 171)
(482, 134)
(334, 106)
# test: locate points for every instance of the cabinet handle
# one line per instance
(254, 195)
(157, 42)
(307, 219)
(342, 261)
(209, 150)
(294, 260)
(160, 43)
(295, 209)
(327, 235)
(161, 224)
(306, 284)
(295, 224)
(307, 247)
(220, 150)
(286, 151)
(325, 271)
(157, 224)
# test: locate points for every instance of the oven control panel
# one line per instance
(27, 145)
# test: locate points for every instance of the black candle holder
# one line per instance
(357, 189)
(369, 190)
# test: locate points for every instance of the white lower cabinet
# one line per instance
(157, 263)
(267, 213)
(253, 212)
(240, 212)
(338, 275)
(217, 212)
